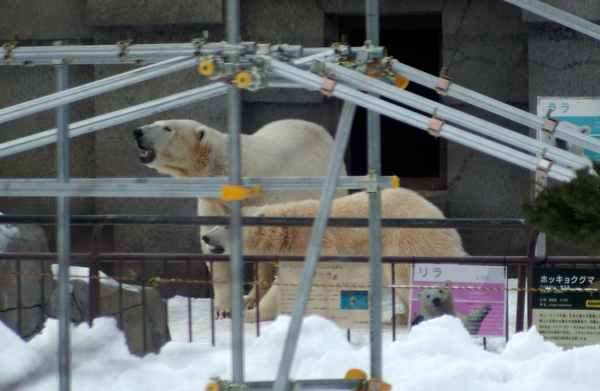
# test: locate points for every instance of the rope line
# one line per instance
(155, 281)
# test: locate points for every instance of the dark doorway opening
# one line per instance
(410, 153)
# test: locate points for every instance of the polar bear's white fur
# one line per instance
(286, 148)
(395, 203)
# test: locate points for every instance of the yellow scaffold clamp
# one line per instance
(212, 386)
(243, 79)
(372, 384)
(206, 68)
(238, 193)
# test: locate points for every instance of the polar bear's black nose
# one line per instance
(138, 133)
(436, 301)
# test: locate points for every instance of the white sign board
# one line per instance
(582, 111)
(340, 291)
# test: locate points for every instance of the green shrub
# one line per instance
(570, 211)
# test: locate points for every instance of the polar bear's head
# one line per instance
(436, 300)
(256, 239)
(217, 240)
(179, 148)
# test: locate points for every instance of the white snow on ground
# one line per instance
(436, 355)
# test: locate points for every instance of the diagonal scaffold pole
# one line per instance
(95, 88)
(115, 118)
(559, 16)
(342, 135)
(494, 106)
(419, 121)
(468, 121)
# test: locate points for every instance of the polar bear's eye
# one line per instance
(167, 128)
(441, 291)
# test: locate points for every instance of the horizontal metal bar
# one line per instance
(311, 384)
(266, 221)
(455, 116)
(164, 187)
(420, 121)
(557, 15)
(115, 118)
(98, 87)
(493, 106)
(82, 258)
(146, 53)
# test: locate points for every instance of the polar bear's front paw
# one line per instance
(222, 313)
(250, 302)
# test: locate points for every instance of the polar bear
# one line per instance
(286, 148)
(395, 203)
(438, 300)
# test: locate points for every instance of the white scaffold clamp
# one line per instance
(435, 125)
(8, 48)
(371, 182)
(549, 125)
(543, 167)
(199, 44)
(443, 83)
(328, 85)
(124, 49)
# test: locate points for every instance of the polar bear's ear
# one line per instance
(447, 283)
(200, 132)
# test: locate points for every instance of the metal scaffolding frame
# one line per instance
(272, 66)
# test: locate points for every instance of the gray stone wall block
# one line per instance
(562, 63)
(43, 19)
(385, 6)
(21, 84)
(138, 12)
(485, 48)
(294, 22)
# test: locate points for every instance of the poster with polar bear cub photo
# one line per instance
(475, 294)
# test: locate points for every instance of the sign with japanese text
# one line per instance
(475, 294)
(567, 318)
(340, 291)
(584, 111)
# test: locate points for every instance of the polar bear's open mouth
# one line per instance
(147, 156)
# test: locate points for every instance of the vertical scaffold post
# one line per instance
(314, 247)
(374, 167)
(63, 235)
(235, 170)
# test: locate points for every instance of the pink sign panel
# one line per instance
(475, 294)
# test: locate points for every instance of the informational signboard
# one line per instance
(478, 290)
(582, 111)
(340, 292)
(567, 318)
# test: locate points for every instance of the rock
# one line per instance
(130, 317)
(35, 290)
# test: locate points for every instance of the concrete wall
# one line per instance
(489, 46)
